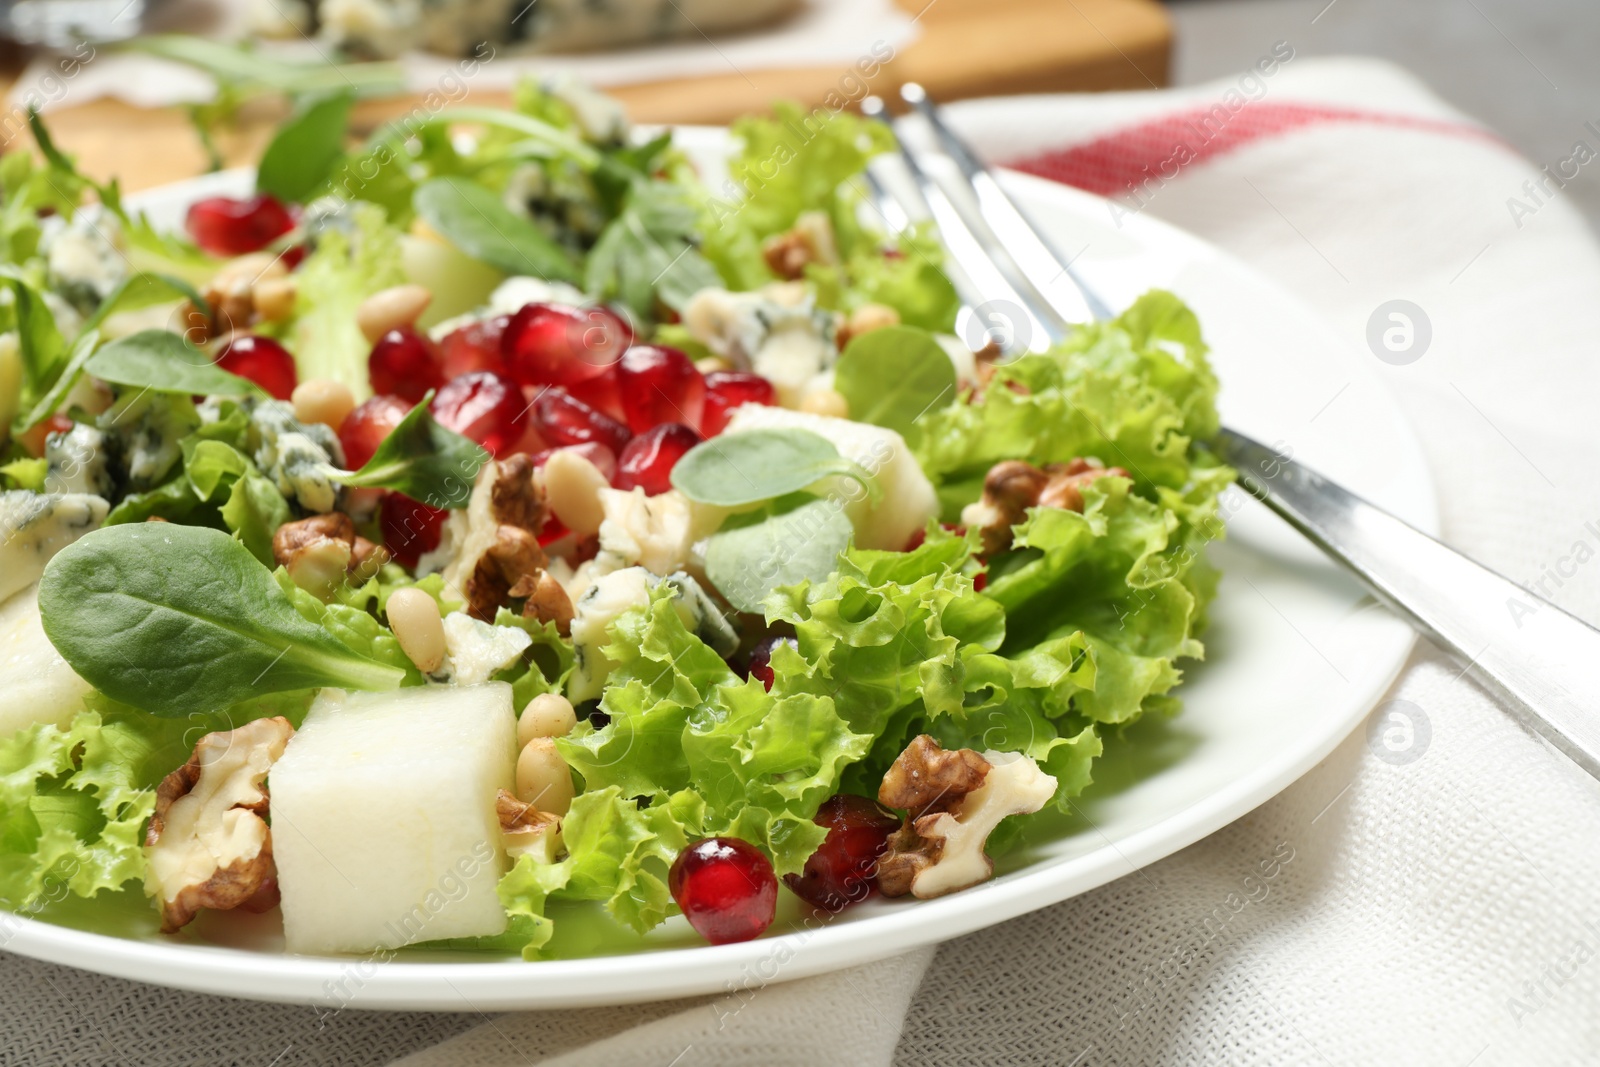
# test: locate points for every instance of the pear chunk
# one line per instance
(383, 817)
(36, 684)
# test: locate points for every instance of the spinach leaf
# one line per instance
(56, 395)
(163, 362)
(649, 250)
(746, 468)
(423, 460)
(305, 149)
(746, 562)
(474, 220)
(254, 511)
(141, 290)
(894, 376)
(39, 342)
(171, 618)
(174, 501)
(211, 464)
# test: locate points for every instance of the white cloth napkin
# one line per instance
(1441, 911)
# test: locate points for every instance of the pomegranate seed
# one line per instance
(602, 457)
(364, 429)
(648, 460)
(263, 361)
(475, 346)
(728, 389)
(484, 407)
(842, 869)
(226, 226)
(33, 438)
(602, 394)
(404, 363)
(980, 581)
(760, 665)
(293, 256)
(410, 528)
(566, 420)
(659, 385)
(726, 889)
(552, 344)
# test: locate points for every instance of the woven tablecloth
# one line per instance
(1440, 910)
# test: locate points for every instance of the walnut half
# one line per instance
(208, 844)
(1012, 487)
(954, 801)
(323, 552)
(526, 830)
(492, 545)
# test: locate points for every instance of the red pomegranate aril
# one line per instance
(760, 662)
(726, 888)
(405, 363)
(475, 346)
(293, 256)
(566, 420)
(729, 389)
(603, 458)
(410, 528)
(364, 429)
(484, 407)
(659, 385)
(553, 344)
(602, 394)
(842, 871)
(263, 361)
(648, 460)
(227, 226)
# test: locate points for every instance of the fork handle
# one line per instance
(1546, 659)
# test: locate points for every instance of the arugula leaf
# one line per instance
(305, 149)
(254, 511)
(475, 220)
(170, 618)
(746, 468)
(39, 342)
(163, 362)
(56, 395)
(423, 460)
(894, 376)
(747, 560)
(649, 251)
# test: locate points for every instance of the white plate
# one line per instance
(1297, 656)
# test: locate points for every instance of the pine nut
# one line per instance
(389, 309)
(547, 715)
(869, 317)
(543, 778)
(826, 402)
(414, 618)
(274, 298)
(322, 400)
(572, 488)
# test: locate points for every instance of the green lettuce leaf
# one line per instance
(344, 270)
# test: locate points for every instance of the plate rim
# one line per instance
(672, 973)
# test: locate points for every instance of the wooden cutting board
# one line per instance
(966, 48)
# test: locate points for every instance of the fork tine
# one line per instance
(987, 279)
(1043, 264)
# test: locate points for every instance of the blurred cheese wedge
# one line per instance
(36, 684)
(908, 497)
(383, 817)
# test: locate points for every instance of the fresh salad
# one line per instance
(502, 514)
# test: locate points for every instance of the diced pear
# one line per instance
(908, 497)
(36, 684)
(383, 817)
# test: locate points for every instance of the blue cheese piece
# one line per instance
(474, 651)
(35, 526)
(85, 257)
(777, 331)
(36, 684)
(78, 461)
(147, 427)
(511, 295)
(653, 532)
(295, 455)
(608, 596)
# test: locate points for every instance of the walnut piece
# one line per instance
(208, 844)
(544, 599)
(940, 851)
(493, 543)
(810, 241)
(526, 829)
(323, 552)
(1012, 487)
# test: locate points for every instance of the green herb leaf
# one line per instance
(212, 464)
(746, 563)
(173, 618)
(26, 473)
(52, 400)
(894, 376)
(254, 511)
(305, 149)
(474, 220)
(163, 362)
(423, 460)
(39, 342)
(649, 251)
(756, 465)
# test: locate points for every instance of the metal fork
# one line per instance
(1545, 660)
